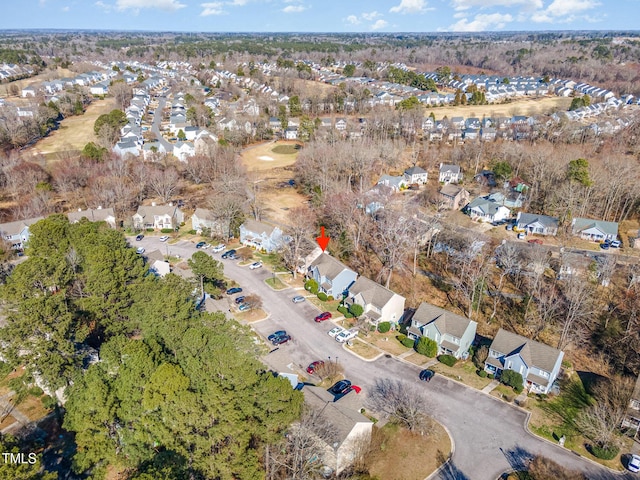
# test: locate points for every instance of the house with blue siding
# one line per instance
(596, 230)
(261, 236)
(539, 364)
(334, 277)
(17, 233)
(453, 333)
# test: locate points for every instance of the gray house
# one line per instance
(94, 215)
(334, 278)
(453, 333)
(632, 418)
(539, 364)
(596, 230)
(17, 233)
(158, 217)
(379, 303)
(261, 236)
(539, 224)
(204, 218)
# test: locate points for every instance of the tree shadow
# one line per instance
(518, 458)
(449, 470)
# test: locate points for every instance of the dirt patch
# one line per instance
(395, 450)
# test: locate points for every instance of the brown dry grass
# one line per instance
(395, 451)
(388, 343)
(363, 349)
(525, 106)
(417, 359)
(33, 408)
(74, 132)
(251, 316)
(7, 421)
(42, 77)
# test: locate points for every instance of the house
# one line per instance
(395, 183)
(17, 233)
(101, 88)
(334, 278)
(453, 197)
(539, 364)
(341, 124)
(631, 420)
(291, 133)
(28, 92)
(94, 215)
(453, 333)
(183, 150)
(204, 218)
(538, 224)
(596, 230)
(486, 178)
(158, 217)
(127, 147)
(351, 428)
(415, 175)
(510, 200)
(450, 173)
(486, 210)
(379, 303)
(261, 236)
(149, 149)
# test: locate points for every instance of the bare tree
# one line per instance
(393, 239)
(402, 402)
(122, 93)
(509, 261)
(302, 224)
(163, 182)
(578, 309)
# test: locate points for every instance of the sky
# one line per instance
(322, 15)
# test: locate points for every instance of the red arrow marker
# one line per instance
(322, 240)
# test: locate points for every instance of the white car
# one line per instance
(140, 250)
(634, 463)
(164, 238)
(255, 265)
(346, 336)
(218, 248)
(335, 331)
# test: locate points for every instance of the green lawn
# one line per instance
(272, 261)
(326, 306)
(275, 283)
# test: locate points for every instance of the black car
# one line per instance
(427, 375)
(234, 290)
(200, 244)
(229, 254)
(340, 388)
(139, 237)
(239, 299)
(276, 334)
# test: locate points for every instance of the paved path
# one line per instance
(7, 406)
(489, 435)
(492, 384)
(155, 125)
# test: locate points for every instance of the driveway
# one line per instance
(155, 125)
(489, 435)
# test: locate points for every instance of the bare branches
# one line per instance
(402, 402)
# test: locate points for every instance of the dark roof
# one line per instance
(451, 190)
(535, 354)
(415, 170)
(529, 218)
(445, 321)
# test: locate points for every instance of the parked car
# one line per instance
(509, 227)
(218, 248)
(311, 369)
(298, 299)
(140, 250)
(335, 331)
(243, 307)
(521, 236)
(634, 463)
(604, 246)
(281, 340)
(255, 265)
(200, 244)
(340, 388)
(322, 317)
(345, 336)
(426, 375)
(239, 299)
(535, 240)
(139, 237)
(615, 244)
(234, 290)
(229, 253)
(277, 333)
(164, 238)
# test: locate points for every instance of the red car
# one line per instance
(535, 240)
(311, 369)
(323, 316)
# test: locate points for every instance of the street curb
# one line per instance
(344, 347)
(446, 462)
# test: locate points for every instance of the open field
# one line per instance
(527, 106)
(267, 156)
(45, 76)
(74, 132)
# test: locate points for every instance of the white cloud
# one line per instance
(410, 6)
(467, 4)
(168, 5)
(482, 22)
(238, 3)
(379, 24)
(371, 16)
(103, 6)
(353, 20)
(294, 9)
(212, 8)
(65, 9)
(563, 10)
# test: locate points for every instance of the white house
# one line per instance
(94, 215)
(204, 218)
(183, 150)
(596, 230)
(393, 182)
(538, 224)
(261, 236)
(415, 174)
(379, 303)
(487, 211)
(158, 217)
(450, 173)
(127, 147)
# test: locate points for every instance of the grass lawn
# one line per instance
(398, 454)
(417, 359)
(504, 392)
(286, 149)
(275, 283)
(388, 342)
(464, 372)
(254, 315)
(326, 306)
(363, 349)
(33, 408)
(271, 260)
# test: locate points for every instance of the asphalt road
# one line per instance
(155, 125)
(489, 435)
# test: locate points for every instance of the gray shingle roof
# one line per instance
(529, 218)
(328, 266)
(372, 292)
(91, 214)
(258, 227)
(14, 228)
(609, 228)
(153, 210)
(445, 321)
(415, 170)
(535, 354)
(449, 168)
(451, 190)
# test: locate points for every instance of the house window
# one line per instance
(509, 364)
(544, 374)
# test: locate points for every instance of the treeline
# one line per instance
(176, 393)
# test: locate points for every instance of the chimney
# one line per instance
(99, 207)
(153, 204)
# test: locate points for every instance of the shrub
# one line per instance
(36, 391)
(330, 298)
(311, 286)
(192, 232)
(512, 379)
(491, 376)
(408, 342)
(480, 355)
(166, 230)
(384, 327)
(482, 373)
(427, 347)
(343, 310)
(49, 402)
(150, 230)
(403, 328)
(448, 360)
(605, 453)
(356, 310)
(322, 296)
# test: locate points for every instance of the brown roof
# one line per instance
(534, 353)
(447, 322)
(451, 190)
(328, 266)
(372, 292)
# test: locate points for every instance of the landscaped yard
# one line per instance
(388, 342)
(271, 260)
(417, 359)
(465, 372)
(275, 283)
(326, 306)
(397, 454)
(364, 349)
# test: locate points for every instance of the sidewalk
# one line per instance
(493, 384)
